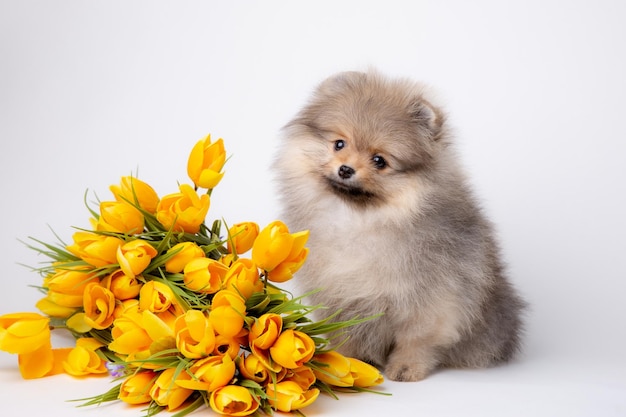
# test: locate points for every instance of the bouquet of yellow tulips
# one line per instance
(174, 311)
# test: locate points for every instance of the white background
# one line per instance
(536, 91)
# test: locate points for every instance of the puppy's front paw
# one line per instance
(405, 372)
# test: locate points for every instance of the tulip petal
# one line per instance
(37, 363)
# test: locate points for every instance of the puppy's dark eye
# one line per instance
(340, 144)
(379, 161)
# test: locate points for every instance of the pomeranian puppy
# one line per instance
(367, 166)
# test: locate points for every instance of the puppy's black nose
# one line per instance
(346, 172)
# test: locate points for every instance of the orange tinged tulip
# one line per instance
(253, 369)
(233, 400)
(288, 396)
(166, 393)
(263, 334)
(99, 304)
(265, 330)
(226, 345)
(303, 376)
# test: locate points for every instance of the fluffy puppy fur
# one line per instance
(368, 168)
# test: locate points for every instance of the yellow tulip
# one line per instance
(99, 304)
(233, 400)
(129, 335)
(24, 332)
(303, 376)
(156, 297)
(272, 246)
(194, 334)
(205, 163)
(364, 374)
(122, 286)
(183, 253)
(337, 372)
(135, 256)
(95, 249)
(139, 335)
(135, 331)
(66, 287)
(166, 393)
(263, 334)
(160, 327)
(204, 275)
(265, 330)
(285, 270)
(279, 252)
(242, 236)
(71, 282)
(288, 396)
(184, 211)
(227, 314)
(83, 359)
(64, 300)
(226, 345)
(209, 374)
(243, 278)
(119, 217)
(292, 349)
(52, 309)
(136, 388)
(135, 191)
(253, 369)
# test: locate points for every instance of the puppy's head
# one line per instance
(365, 138)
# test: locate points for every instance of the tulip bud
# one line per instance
(206, 162)
(134, 191)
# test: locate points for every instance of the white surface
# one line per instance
(536, 91)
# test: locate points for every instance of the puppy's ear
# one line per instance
(427, 118)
